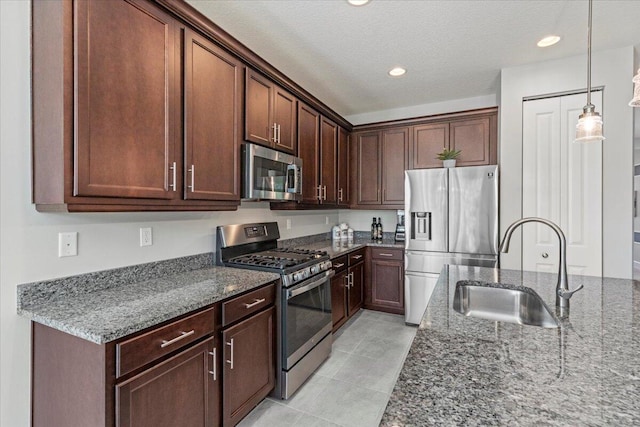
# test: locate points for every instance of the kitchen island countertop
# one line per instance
(469, 371)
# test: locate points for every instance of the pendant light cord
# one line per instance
(589, 57)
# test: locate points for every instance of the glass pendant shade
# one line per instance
(635, 102)
(589, 127)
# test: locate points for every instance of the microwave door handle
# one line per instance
(305, 287)
(292, 178)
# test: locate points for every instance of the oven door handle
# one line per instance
(304, 287)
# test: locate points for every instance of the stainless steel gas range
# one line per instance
(303, 301)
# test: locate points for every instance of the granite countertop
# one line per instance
(469, 371)
(111, 312)
(336, 249)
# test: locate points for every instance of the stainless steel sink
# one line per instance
(502, 303)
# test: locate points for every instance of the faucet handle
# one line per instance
(568, 294)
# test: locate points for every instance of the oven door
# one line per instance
(306, 317)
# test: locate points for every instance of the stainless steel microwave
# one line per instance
(270, 175)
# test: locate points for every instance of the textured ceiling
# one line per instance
(451, 49)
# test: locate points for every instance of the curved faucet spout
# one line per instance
(562, 288)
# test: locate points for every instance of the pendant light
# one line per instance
(589, 127)
(635, 102)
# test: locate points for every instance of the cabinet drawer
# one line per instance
(387, 253)
(339, 263)
(244, 305)
(356, 256)
(138, 351)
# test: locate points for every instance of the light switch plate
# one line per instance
(288, 224)
(68, 244)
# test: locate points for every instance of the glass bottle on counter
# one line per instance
(379, 231)
(374, 229)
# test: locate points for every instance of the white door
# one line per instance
(562, 182)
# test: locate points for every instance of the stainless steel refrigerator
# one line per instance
(451, 218)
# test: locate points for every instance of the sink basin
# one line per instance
(502, 302)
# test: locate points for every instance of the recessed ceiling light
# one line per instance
(397, 72)
(358, 2)
(548, 41)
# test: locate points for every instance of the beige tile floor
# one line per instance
(352, 387)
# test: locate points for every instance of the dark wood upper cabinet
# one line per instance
(395, 146)
(428, 141)
(270, 114)
(213, 110)
(381, 158)
(366, 159)
(308, 149)
(344, 195)
(127, 100)
(328, 160)
(472, 137)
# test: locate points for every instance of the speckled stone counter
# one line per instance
(469, 371)
(104, 310)
(336, 249)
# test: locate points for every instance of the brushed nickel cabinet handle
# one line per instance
(279, 134)
(213, 361)
(348, 279)
(324, 192)
(182, 336)
(255, 302)
(384, 254)
(193, 178)
(339, 265)
(275, 132)
(340, 195)
(230, 344)
(357, 257)
(172, 168)
(320, 192)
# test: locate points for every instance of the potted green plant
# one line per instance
(448, 157)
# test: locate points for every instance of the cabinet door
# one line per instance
(308, 149)
(181, 391)
(258, 121)
(249, 365)
(367, 149)
(395, 143)
(356, 291)
(339, 299)
(127, 100)
(472, 138)
(213, 102)
(387, 284)
(328, 159)
(428, 141)
(343, 168)
(284, 116)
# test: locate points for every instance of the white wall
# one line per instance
(360, 220)
(612, 69)
(424, 109)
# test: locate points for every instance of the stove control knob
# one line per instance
(297, 276)
(315, 269)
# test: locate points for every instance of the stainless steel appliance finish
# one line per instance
(303, 301)
(451, 218)
(270, 175)
(502, 303)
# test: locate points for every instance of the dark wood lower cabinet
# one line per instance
(249, 368)
(181, 391)
(356, 290)
(339, 292)
(385, 280)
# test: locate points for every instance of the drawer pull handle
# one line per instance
(255, 302)
(382, 254)
(182, 336)
(230, 344)
(213, 361)
(339, 265)
(357, 256)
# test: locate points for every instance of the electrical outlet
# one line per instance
(288, 224)
(68, 244)
(146, 236)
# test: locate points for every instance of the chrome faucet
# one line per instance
(563, 294)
